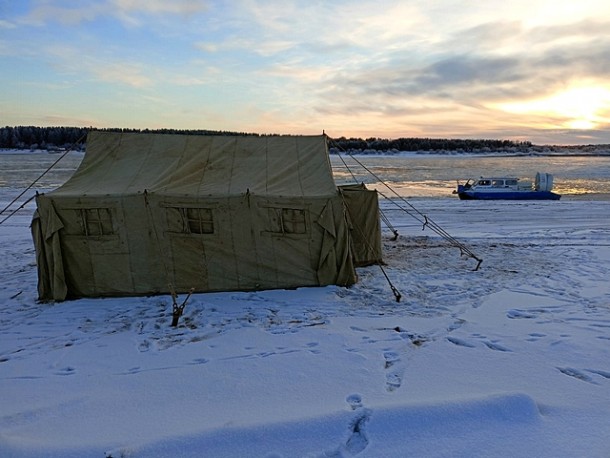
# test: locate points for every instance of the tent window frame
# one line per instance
(287, 221)
(197, 220)
(293, 221)
(96, 222)
(192, 220)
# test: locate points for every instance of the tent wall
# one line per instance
(138, 245)
(362, 206)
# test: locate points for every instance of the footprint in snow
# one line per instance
(68, 370)
(535, 336)
(391, 358)
(458, 323)
(495, 346)
(576, 374)
(357, 440)
(312, 347)
(604, 374)
(516, 314)
(354, 401)
(460, 342)
(144, 346)
(394, 370)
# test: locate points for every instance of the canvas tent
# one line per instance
(147, 213)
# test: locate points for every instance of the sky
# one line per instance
(525, 70)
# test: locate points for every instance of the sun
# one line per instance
(582, 108)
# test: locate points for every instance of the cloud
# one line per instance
(61, 120)
(207, 47)
(45, 11)
(69, 60)
(127, 11)
(476, 76)
(458, 88)
(122, 72)
(131, 12)
(6, 24)
(463, 70)
(181, 7)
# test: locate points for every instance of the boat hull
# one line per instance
(508, 195)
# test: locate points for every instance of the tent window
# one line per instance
(293, 221)
(96, 221)
(287, 221)
(198, 220)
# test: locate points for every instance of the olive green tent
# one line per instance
(151, 213)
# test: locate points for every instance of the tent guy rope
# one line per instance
(69, 150)
(412, 211)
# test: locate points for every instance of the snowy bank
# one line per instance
(512, 360)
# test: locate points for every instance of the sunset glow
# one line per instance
(577, 108)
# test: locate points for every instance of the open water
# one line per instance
(410, 176)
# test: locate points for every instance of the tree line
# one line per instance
(426, 144)
(52, 138)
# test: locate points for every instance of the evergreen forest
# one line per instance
(61, 138)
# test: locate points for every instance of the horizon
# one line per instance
(177, 131)
(525, 71)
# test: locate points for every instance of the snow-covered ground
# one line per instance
(512, 360)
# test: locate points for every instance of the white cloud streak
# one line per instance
(128, 11)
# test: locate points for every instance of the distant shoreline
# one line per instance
(62, 138)
(567, 152)
(440, 153)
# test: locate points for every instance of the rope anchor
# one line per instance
(425, 222)
(177, 310)
(397, 294)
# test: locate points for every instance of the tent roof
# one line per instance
(205, 165)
